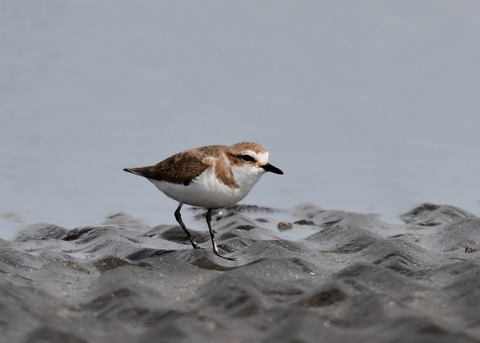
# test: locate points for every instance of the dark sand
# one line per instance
(357, 279)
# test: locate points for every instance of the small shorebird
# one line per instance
(209, 177)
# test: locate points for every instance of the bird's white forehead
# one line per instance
(260, 157)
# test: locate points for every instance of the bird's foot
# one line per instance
(226, 258)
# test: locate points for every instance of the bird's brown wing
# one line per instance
(180, 168)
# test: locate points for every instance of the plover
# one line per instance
(211, 177)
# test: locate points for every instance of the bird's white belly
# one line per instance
(205, 191)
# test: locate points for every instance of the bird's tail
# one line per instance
(141, 171)
(130, 170)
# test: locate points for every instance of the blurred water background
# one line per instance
(368, 106)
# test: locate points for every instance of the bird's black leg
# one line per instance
(208, 217)
(178, 217)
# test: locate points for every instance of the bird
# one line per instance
(210, 177)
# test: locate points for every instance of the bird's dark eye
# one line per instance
(248, 158)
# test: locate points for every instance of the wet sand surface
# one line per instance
(356, 278)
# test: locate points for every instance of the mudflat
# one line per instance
(356, 278)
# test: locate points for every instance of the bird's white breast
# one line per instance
(208, 192)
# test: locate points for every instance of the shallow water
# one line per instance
(368, 107)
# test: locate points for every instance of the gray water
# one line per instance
(366, 106)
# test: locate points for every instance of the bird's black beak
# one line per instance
(268, 167)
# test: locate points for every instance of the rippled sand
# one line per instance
(355, 279)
